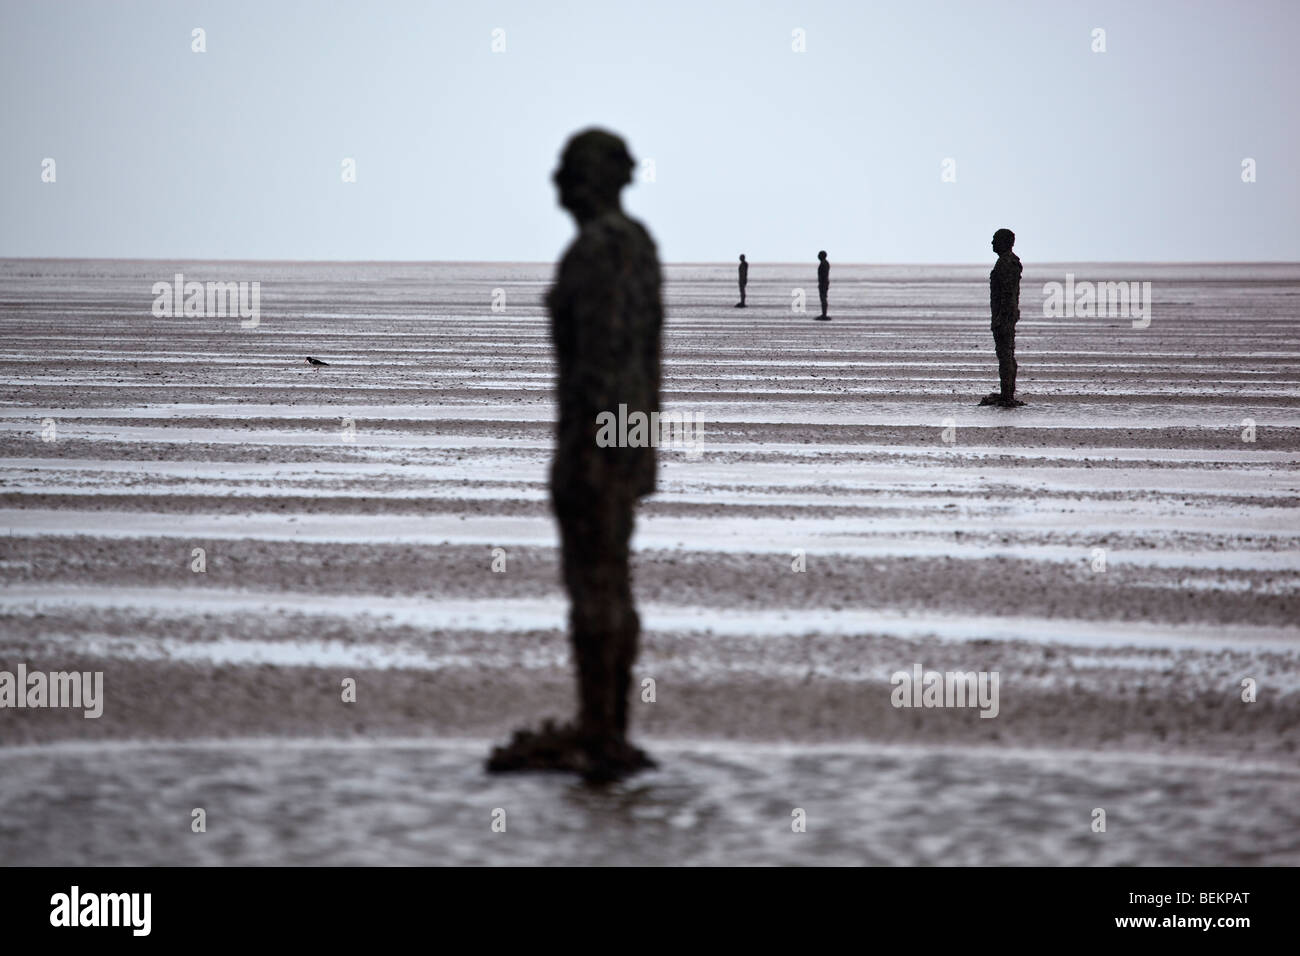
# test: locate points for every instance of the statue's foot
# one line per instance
(992, 398)
(614, 760)
(562, 749)
(549, 748)
(822, 318)
(739, 305)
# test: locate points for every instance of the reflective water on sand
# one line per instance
(418, 803)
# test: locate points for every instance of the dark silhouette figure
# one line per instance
(1004, 303)
(823, 283)
(606, 318)
(315, 362)
(744, 280)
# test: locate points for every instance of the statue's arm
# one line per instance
(594, 311)
(1002, 298)
(654, 346)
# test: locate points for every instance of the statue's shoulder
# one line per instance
(612, 237)
(626, 231)
(1008, 265)
(603, 251)
(600, 233)
(639, 229)
(589, 248)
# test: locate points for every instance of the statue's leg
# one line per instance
(629, 633)
(1006, 362)
(605, 627)
(595, 574)
(595, 528)
(1011, 354)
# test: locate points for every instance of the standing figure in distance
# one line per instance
(744, 279)
(1004, 303)
(606, 319)
(823, 283)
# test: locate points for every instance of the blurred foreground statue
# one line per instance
(606, 317)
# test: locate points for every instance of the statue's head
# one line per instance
(742, 257)
(594, 167)
(822, 254)
(1003, 240)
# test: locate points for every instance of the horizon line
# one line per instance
(718, 262)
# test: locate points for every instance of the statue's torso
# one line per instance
(606, 320)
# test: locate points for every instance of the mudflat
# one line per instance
(1121, 551)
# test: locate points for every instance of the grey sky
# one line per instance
(1131, 154)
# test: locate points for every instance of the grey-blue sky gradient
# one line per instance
(1129, 155)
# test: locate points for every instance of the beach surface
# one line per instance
(1123, 552)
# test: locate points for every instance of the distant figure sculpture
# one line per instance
(606, 318)
(823, 283)
(744, 279)
(1004, 303)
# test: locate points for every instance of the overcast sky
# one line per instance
(1131, 154)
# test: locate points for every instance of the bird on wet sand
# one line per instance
(315, 362)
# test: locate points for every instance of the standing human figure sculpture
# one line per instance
(1004, 304)
(823, 283)
(743, 274)
(606, 320)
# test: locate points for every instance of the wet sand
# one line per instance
(370, 558)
